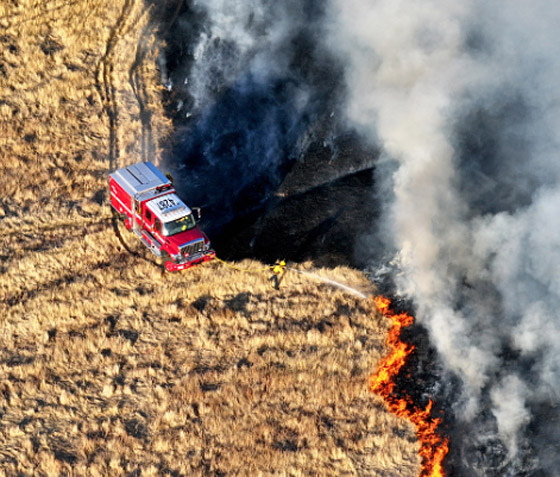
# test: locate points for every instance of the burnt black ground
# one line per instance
(318, 212)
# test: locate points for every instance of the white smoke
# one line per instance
(474, 213)
(405, 66)
(239, 38)
(509, 410)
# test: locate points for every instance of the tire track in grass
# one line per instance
(138, 85)
(105, 85)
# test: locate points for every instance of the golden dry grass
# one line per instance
(107, 365)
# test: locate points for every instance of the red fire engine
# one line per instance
(147, 201)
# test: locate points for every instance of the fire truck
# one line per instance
(146, 199)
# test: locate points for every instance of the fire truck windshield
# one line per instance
(180, 225)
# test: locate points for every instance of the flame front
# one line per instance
(433, 447)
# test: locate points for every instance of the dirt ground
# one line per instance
(108, 365)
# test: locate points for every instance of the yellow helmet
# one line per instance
(283, 263)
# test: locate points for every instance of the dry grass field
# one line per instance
(108, 366)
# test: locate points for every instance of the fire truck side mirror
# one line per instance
(197, 213)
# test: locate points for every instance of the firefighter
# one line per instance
(278, 273)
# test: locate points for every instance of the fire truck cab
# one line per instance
(151, 209)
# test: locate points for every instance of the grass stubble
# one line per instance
(108, 366)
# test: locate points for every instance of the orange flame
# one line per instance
(433, 447)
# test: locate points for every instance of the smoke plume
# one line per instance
(463, 99)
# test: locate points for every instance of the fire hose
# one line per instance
(280, 268)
